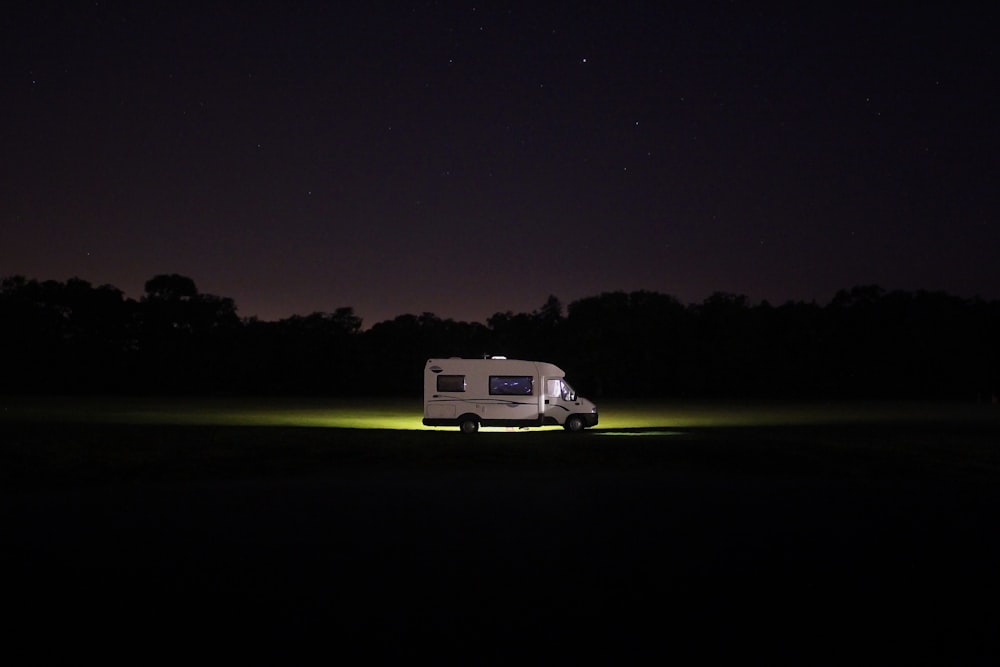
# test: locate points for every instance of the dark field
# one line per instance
(833, 540)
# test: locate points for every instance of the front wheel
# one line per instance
(574, 424)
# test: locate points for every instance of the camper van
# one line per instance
(496, 391)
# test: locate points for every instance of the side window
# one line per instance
(451, 383)
(511, 385)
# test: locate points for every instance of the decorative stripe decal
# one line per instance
(492, 401)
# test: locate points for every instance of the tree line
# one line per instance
(75, 338)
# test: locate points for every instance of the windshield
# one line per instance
(567, 391)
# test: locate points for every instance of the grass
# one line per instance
(760, 532)
(405, 414)
(91, 439)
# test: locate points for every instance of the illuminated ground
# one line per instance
(294, 531)
(400, 414)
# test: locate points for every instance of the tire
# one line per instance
(574, 424)
(468, 425)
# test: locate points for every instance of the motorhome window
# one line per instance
(451, 383)
(512, 385)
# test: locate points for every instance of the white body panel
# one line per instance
(501, 392)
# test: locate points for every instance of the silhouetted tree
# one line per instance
(397, 349)
(536, 335)
(170, 288)
(315, 354)
(626, 343)
(796, 348)
(186, 336)
(74, 337)
(64, 337)
(728, 346)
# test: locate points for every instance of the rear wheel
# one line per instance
(574, 424)
(468, 425)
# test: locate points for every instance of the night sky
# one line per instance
(472, 158)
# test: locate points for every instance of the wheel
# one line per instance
(574, 424)
(468, 425)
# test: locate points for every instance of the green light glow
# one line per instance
(638, 433)
(396, 414)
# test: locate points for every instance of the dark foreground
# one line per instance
(847, 544)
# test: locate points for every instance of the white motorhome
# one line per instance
(497, 391)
